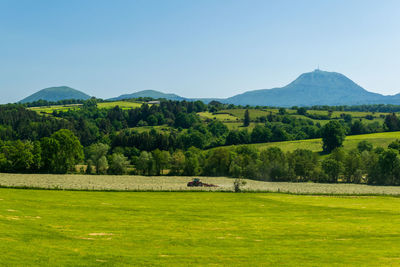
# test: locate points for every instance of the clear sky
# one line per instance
(195, 48)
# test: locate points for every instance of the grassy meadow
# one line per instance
(351, 141)
(121, 104)
(69, 228)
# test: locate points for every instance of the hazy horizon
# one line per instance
(208, 49)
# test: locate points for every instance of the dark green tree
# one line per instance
(333, 135)
(246, 121)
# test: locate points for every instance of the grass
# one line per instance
(224, 117)
(377, 139)
(159, 128)
(50, 109)
(64, 228)
(121, 104)
(239, 125)
(178, 183)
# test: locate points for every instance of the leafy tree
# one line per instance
(332, 168)
(119, 164)
(144, 163)
(192, 162)
(61, 151)
(177, 162)
(392, 122)
(246, 121)
(273, 165)
(302, 163)
(364, 146)
(217, 162)
(302, 111)
(395, 145)
(261, 134)
(333, 135)
(89, 167)
(353, 168)
(97, 154)
(387, 169)
(161, 160)
(217, 128)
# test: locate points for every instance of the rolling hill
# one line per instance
(56, 94)
(149, 93)
(314, 88)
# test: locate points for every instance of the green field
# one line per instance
(66, 228)
(121, 104)
(50, 109)
(224, 117)
(351, 141)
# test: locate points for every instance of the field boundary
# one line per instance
(244, 191)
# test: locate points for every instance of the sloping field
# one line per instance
(178, 183)
(121, 104)
(351, 141)
(64, 228)
(50, 109)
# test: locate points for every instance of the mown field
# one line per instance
(351, 141)
(67, 228)
(121, 104)
(178, 183)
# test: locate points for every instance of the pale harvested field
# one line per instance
(178, 183)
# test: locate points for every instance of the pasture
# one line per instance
(121, 104)
(50, 109)
(107, 105)
(68, 228)
(351, 141)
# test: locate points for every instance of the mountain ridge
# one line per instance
(311, 88)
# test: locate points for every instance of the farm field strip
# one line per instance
(178, 183)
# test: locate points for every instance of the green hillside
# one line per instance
(56, 94)
(377, 139)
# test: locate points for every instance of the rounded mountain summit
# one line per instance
(56, 94)
(314, 88)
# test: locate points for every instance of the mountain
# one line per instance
(314, 88)
(56, 94)
(150, 93)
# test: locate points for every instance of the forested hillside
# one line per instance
(192, 138)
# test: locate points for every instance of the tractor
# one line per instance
(196, 182)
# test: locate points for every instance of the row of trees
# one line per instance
(362, 165)
(62, 151)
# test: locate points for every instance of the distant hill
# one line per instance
(149, 93)
(314, 88)
(56, 94)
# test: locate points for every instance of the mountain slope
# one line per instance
(149, 93)
(56, 94)
(313, 88)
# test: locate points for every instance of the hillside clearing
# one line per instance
(351, 141)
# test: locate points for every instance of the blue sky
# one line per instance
(203, 48)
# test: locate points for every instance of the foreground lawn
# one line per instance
(58, 228)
